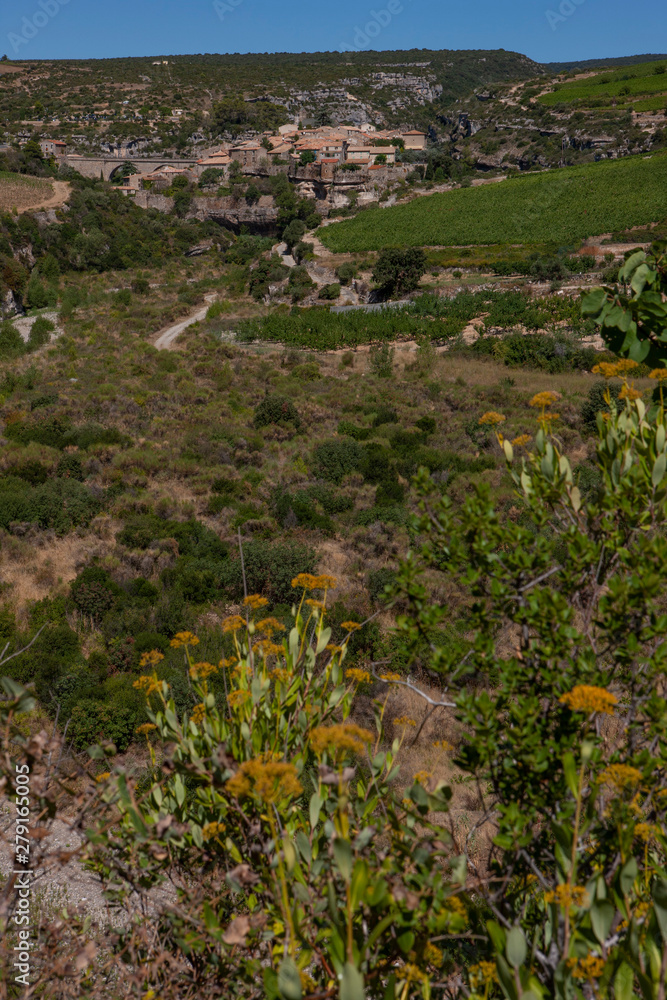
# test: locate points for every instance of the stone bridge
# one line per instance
(106, 166)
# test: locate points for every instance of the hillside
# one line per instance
(560, 206)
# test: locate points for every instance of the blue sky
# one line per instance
(546, 30)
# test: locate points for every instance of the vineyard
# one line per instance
(604, 88)
(563, 206)
(428, 317)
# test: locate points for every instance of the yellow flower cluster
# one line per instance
(211, 830)
(269, 626)
(340, 738)
(567, 896)
(421, 777)
(255, 601)
(391, 677)
(307, 581)
(645, 832)
(629, 392)
(454, 905)
(232, 624)
(433, 955)
(281, 674)
(145, 728)
(200, 671)
(522, 440)
(403, 720)
(357, 675)
(658, 373)
(590, 968)
(238, 698)
(444, 745)
(410, 973)
(350, 626)
(268, 781)
(544, 399)
(587, 698)
(621, 776)
(102, 777)
(616, 368)
(317, 605)
(333, 648)
(267, 648)
(486, 971)
(492, 417)
(199, 714)
(149, 684)
(184, 639)
(151, 659)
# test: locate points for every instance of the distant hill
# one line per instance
(586, 64)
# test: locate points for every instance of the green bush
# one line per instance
(596, 403)
(93, 593)
(276, 409)
(329, 291)
(11, 341)
(270, 569)
(61, 504)
(332, 460)
(69, 467)
(40, 333)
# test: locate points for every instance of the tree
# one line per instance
(293, 233)
(397, 271)
(252, 194)
(633, 319)
(307, 156)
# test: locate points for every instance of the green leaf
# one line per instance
(324, 639)
(179, 789)
(516, 948)
(602, 917)
(315, 806)
(629, 873)
(343, 855)
(303, 844)
(352, 983)
(623, 982)
(210, 918)
(660, 903)
(497, 935)
(406, 941)
(571, 774)
(289, 980)
(271, 984)
(659, 468)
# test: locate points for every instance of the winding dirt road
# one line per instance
(165, 338)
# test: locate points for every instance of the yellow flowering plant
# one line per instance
(277, 792)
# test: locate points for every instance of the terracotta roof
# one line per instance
(414, 131)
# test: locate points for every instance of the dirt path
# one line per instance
(61, 192)
(165, 338)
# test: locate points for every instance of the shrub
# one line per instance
(346, 272)
(94, 593)
(596, 403)
(332, 460)
(32, 472)
(69, 467)
(385, 415)
(11, 341)
(276, 409)
(329, 291)
(40, 333)
(57, 503)
(382, 360)
(398, 271)
(270, 569)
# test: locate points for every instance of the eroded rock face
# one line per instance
(11, 305)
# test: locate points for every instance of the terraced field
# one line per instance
(622, 87)
(561, 205)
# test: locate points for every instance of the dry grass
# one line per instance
(19, 192)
